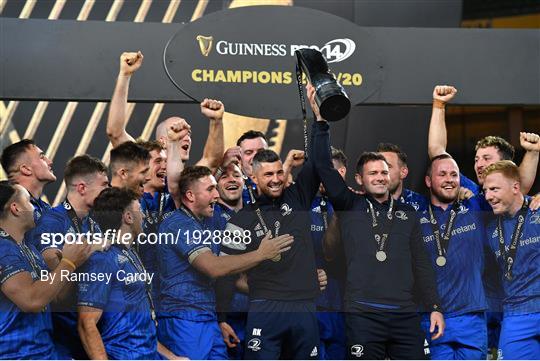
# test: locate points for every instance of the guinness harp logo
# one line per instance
(205, 43)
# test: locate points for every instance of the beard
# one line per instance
(445, 197)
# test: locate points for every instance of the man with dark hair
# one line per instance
(329, 303)
(129, 167)
(248, 145)
(386, 259)
(116, 317)
(187, 316)
(26, 164)
(513, 237)
(281, 321)
(27, 287)
(397, 165)
(130, 62)
(85, 177)
(488, 150)
(231, 308)
(450, 229)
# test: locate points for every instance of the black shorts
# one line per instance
(282, 329)
(380, 335)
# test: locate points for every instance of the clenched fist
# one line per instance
(232, 155)
(177, 130)
(295, 158)
(529, 141)
(212, 109)
(130, 62)
(442, 94)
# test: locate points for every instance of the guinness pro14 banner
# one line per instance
(245, 57)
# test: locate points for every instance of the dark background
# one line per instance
(365, 126)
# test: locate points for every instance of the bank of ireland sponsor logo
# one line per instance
(357, 350)
(254, 344)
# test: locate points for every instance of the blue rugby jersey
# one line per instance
(222, 215)
(40, 207)
(154, 207)
(57, 220)
(415, 200)
(331, 297)
(126, 325)
(459, 282)
(469, 184)
(22, 335)
(522, 293)
(185, 292)
(246, 198)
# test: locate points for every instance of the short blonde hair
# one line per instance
(508, 169)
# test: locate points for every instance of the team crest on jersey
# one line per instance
(226, 216)
(535, 219)
(122, 258)
(462, 209)
(254, 344)
(401, 215)
(357, 350)
(285, 209)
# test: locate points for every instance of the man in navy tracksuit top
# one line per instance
(281, 319)
(330, 301)
(387, 264)
(188, 266)
(514, 239)
(451, 231)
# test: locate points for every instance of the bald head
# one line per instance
(161, 136)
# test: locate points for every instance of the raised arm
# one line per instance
(295, 158)
(215, 144)
(116, 122)
(527, 169)
(437, 138)
(338, 192)
(175, 133)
